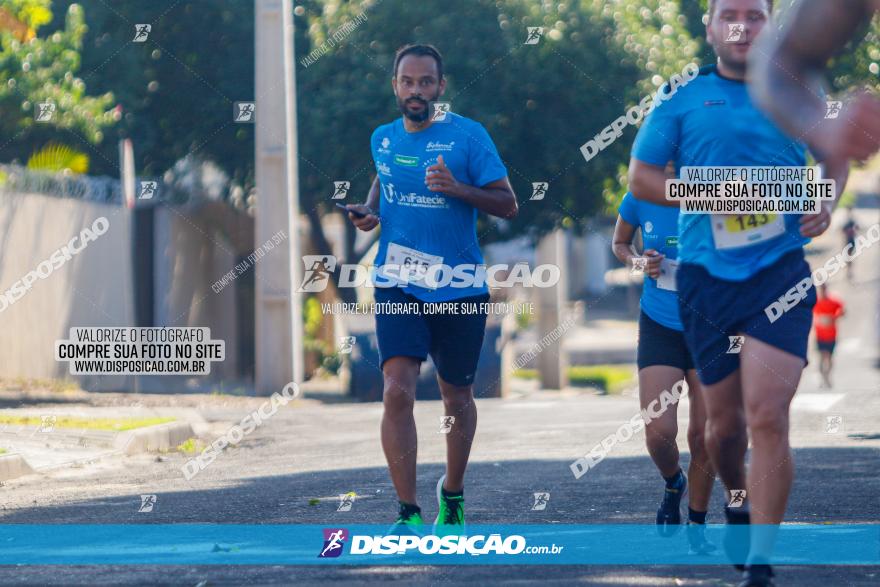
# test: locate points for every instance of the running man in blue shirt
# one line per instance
(732, 269)
(664, 360)
(436, 169)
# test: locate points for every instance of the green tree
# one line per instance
(38, 69)
(176, 89)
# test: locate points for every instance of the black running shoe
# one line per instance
(669, 514)
(737, 540)
(757, 576)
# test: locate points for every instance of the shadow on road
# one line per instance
(837, 485)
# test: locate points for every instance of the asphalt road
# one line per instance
(311, 452)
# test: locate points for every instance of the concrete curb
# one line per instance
(72, 447)
(12, 466)
(154, 438)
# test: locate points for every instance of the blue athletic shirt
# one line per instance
(711, 121)
(659, 226)
(432, 223)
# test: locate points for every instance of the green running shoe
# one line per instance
(450, 515)
(406, 523)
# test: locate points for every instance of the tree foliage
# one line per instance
(38, 69)
(176, 89)
(540, 102)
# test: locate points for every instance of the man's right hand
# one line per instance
(654, 260)
(365, 223)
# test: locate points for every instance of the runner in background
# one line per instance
(850, 229)
(825, 314)
(663, 360)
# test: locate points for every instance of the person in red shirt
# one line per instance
(825, 314)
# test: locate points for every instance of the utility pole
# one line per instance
(279, 336)
(552, 362)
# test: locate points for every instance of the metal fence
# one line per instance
(106, 190)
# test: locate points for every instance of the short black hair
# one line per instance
(420, 51)
(713, 3)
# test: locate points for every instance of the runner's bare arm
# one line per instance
(838, 171)
(815, 224)
(495, 198)
(648, 182)
(787, 79)
(371, 208)
(623, 249)
(373, 195)
(622, 241)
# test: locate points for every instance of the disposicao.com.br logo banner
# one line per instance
(557, 544)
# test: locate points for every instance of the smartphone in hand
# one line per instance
(355, 212)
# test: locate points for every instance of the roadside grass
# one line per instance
(110, 424)
(608, 378)
(31, 384)
(191, 446)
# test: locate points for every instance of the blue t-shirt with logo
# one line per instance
(711, 121)
(440, 228)
(659, 226)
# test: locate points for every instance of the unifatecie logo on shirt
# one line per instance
(412, 199)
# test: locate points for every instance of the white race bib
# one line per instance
(733, 231)
(412, 263)
(668, 269)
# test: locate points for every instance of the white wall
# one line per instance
(94, 288)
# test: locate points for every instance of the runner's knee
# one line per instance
(697, 442)
(727, 431)
(397, 397)
(455, 397)
(662, 429)
(768, 421)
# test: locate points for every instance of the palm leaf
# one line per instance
(55, 157)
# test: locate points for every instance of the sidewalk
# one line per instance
(165, 421)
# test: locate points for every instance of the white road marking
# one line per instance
(850, 345)
(815, 402)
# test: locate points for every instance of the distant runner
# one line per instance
(825, 314)
(850, 229)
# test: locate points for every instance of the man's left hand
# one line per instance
(438, 178)
(813, 225)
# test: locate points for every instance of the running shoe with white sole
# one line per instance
(450, 515)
